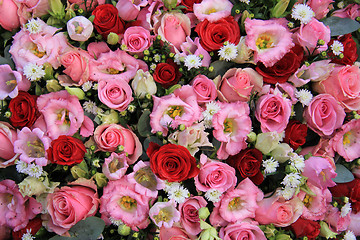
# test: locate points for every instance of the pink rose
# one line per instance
(129, 10)
(189, 214)
(115, 94)
(174, 233)
(137, 39)
(246, 230)
(7, 138)
(9, 18)
(344, 85)
(273, 112)
(324, 114)
(278, 211)
(76, 63)
(237, 84)
(71, 204)
(320, 7)
(309, 34)
(109, 136)
(204, 88)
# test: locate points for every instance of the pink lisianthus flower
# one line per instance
(336, 222)
(31, 9)
(319, 172)
(350, 11)
(190, 214)
(115, 166)
(190, 47)
(241, 202)
(9, 81)
(231, 125)
(63, 115)
(320, 7)
(212, 10)
(354, 223)
(96, 48)
(345, 142)
(181, 107)
(16, 210)
(248, 230)
(8, 137)
(120, 201)
(79, 28)
(115, 65)
(269, 39)
(164, 214)
(115, 93)
(146, 182)
(32, 146)
(129, 9)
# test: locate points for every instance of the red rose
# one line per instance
(350, 50)
(189, 4)
(214, 34)
(248, 163)
(167, 74)
(33, 226)
(284, 68)
(350, 190)
(66, 150)
(107, 20)
(295, 134)
(308, 228)
(172, 162)
(23, 109)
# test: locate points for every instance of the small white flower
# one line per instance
(349, 235)
(286, 192)
(304, 96)
(292, 180)
(211, 109)
(21, 166)
(86, 86)
(345, 210)
(95, 86)
(153, 66)
(157, 58)
(303, 13)
(297, 161)
(177, 58)
(337, 47)
(171, 185)
(116, 222)
(245, 1)
(90, 107)
(213, 195)
(270, 165)
(34, 170)
(33, 25)
(179, 194)
(192, 61)
(228, 52)
(33, 72)
(27, 235)
(341, 4)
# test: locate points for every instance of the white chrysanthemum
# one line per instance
(345, 210)
(95, 86)
(287, 192)
(157, 58)
(33, 26)
(270, 165)
(211, 108)
(297, 161)
(228, 52)
(292, 180)
(33, 72)
(87, 86)
(177, 58)
(304, 96)
(153, 66)
(213, 195)
(349, 235)
(337, 47)
(34, 170)
(179, 194)
(171, 185)
(303, 13)
(116, 222)
(192, 61)
(21, 166)
(90, 107)
(27, 235)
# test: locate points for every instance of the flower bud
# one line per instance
(112, 38)
(124, 230)
(283, 237)
(251, 137)
(57, 9)
(31, 186)
(100, 179)
(266, 142)
(53, 85)
(204, 213)
(109, 117)
(77, 172)
(76, 92)
(143, 84)
(281, 152)
(325, 231)
(170, 4)
(280, 8)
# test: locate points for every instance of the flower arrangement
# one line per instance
(169, 119)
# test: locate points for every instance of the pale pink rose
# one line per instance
(8, 137)
(31, 9)
(97, 48)
(173, 27)
(241, 202)
(278, 211)
(215, 175)
(190, 47)
(344, 85)
(276, 38)
(204, 88)
(137, 39)
(273, 112)
(309, 34)
(79, 28)
(9, 81)
(70, 204)
(109, 136)
(129, 9)
(115, 65)
(319, 172)
(87, 5)
(16, 210)
(159, 209)
(9, 19)
(246, 230)
(320, 7)
(120, 201)
(115, 166)
(354, 223)
(324, 114)
(336, 222)
(189, 214)
(212, 10)
(237, 84)
(116, 93)
(174, 233)
(175, 109)
(351, 11)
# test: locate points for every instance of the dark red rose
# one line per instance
(167, 74)
(66, 150)
(350, 50)
(284, 68)
(305, 228)
(350, 190)
(172, 162)
(295, 134)
(24, 111)
(107, 20)
(189, 4)
(214, 34)
(34, 226)
(248, 163)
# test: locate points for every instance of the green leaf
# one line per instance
(343, 174)
(340, 26)
(220, 67)
(143, 125)
(89, 229)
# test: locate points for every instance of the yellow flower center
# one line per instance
(36, 149)
(163, 216)
(264, 42)
(210, 11)
(127, 203)
(235, 204)
(79, 29)
(113, 71)
(36, 52)
(12, 84)
(228, 125)
(146, 178)
(347, 138)
(175, 111)
(115, 165)
(307, 200)
(66, 117)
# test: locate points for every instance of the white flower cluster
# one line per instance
(32, 169)
(270, 165)
(34, 72)
(176, 192)
(303, 13)
(211, 109)
(228, 52)
(213, 195)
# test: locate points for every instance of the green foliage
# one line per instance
(341, 26)
(143, 125)
(343, 174)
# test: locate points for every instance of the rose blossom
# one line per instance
(295, 134)
(115, 166)
(175, 233)
(212, 10)
(116, 93)
(9, 81)
(7, 138)
(189, 214)
(79, 28)
(305, 228)
(204, 88)
(349, 53)
(9, 18)
(350, 190)
(246, 230)
(319, 172)
(109, 136)
(129, 10)
(324, 114)
(70, 204)
(167, 73)
(164, 214)
(107, 20)
(137, 39)
(24, 111)
(143, 84)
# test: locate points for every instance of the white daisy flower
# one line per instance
(171, 185)
(90, 107)
(153, 66)
(34, 170)
(211, 109)
(270, 165)
(192, 61)
(297, 161)
(292, 180)
(303, 13)
(349, 235)
(33, 26)
(33, 72)
(228, 52)
(177, 58)
(157, 58)
(337, 47)
(304, 96)
(95, 86)
(213, 195)
(287, 192)
(21, 166)
(345, 210)
(179, 194)
(87, 86)
(27, 235)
